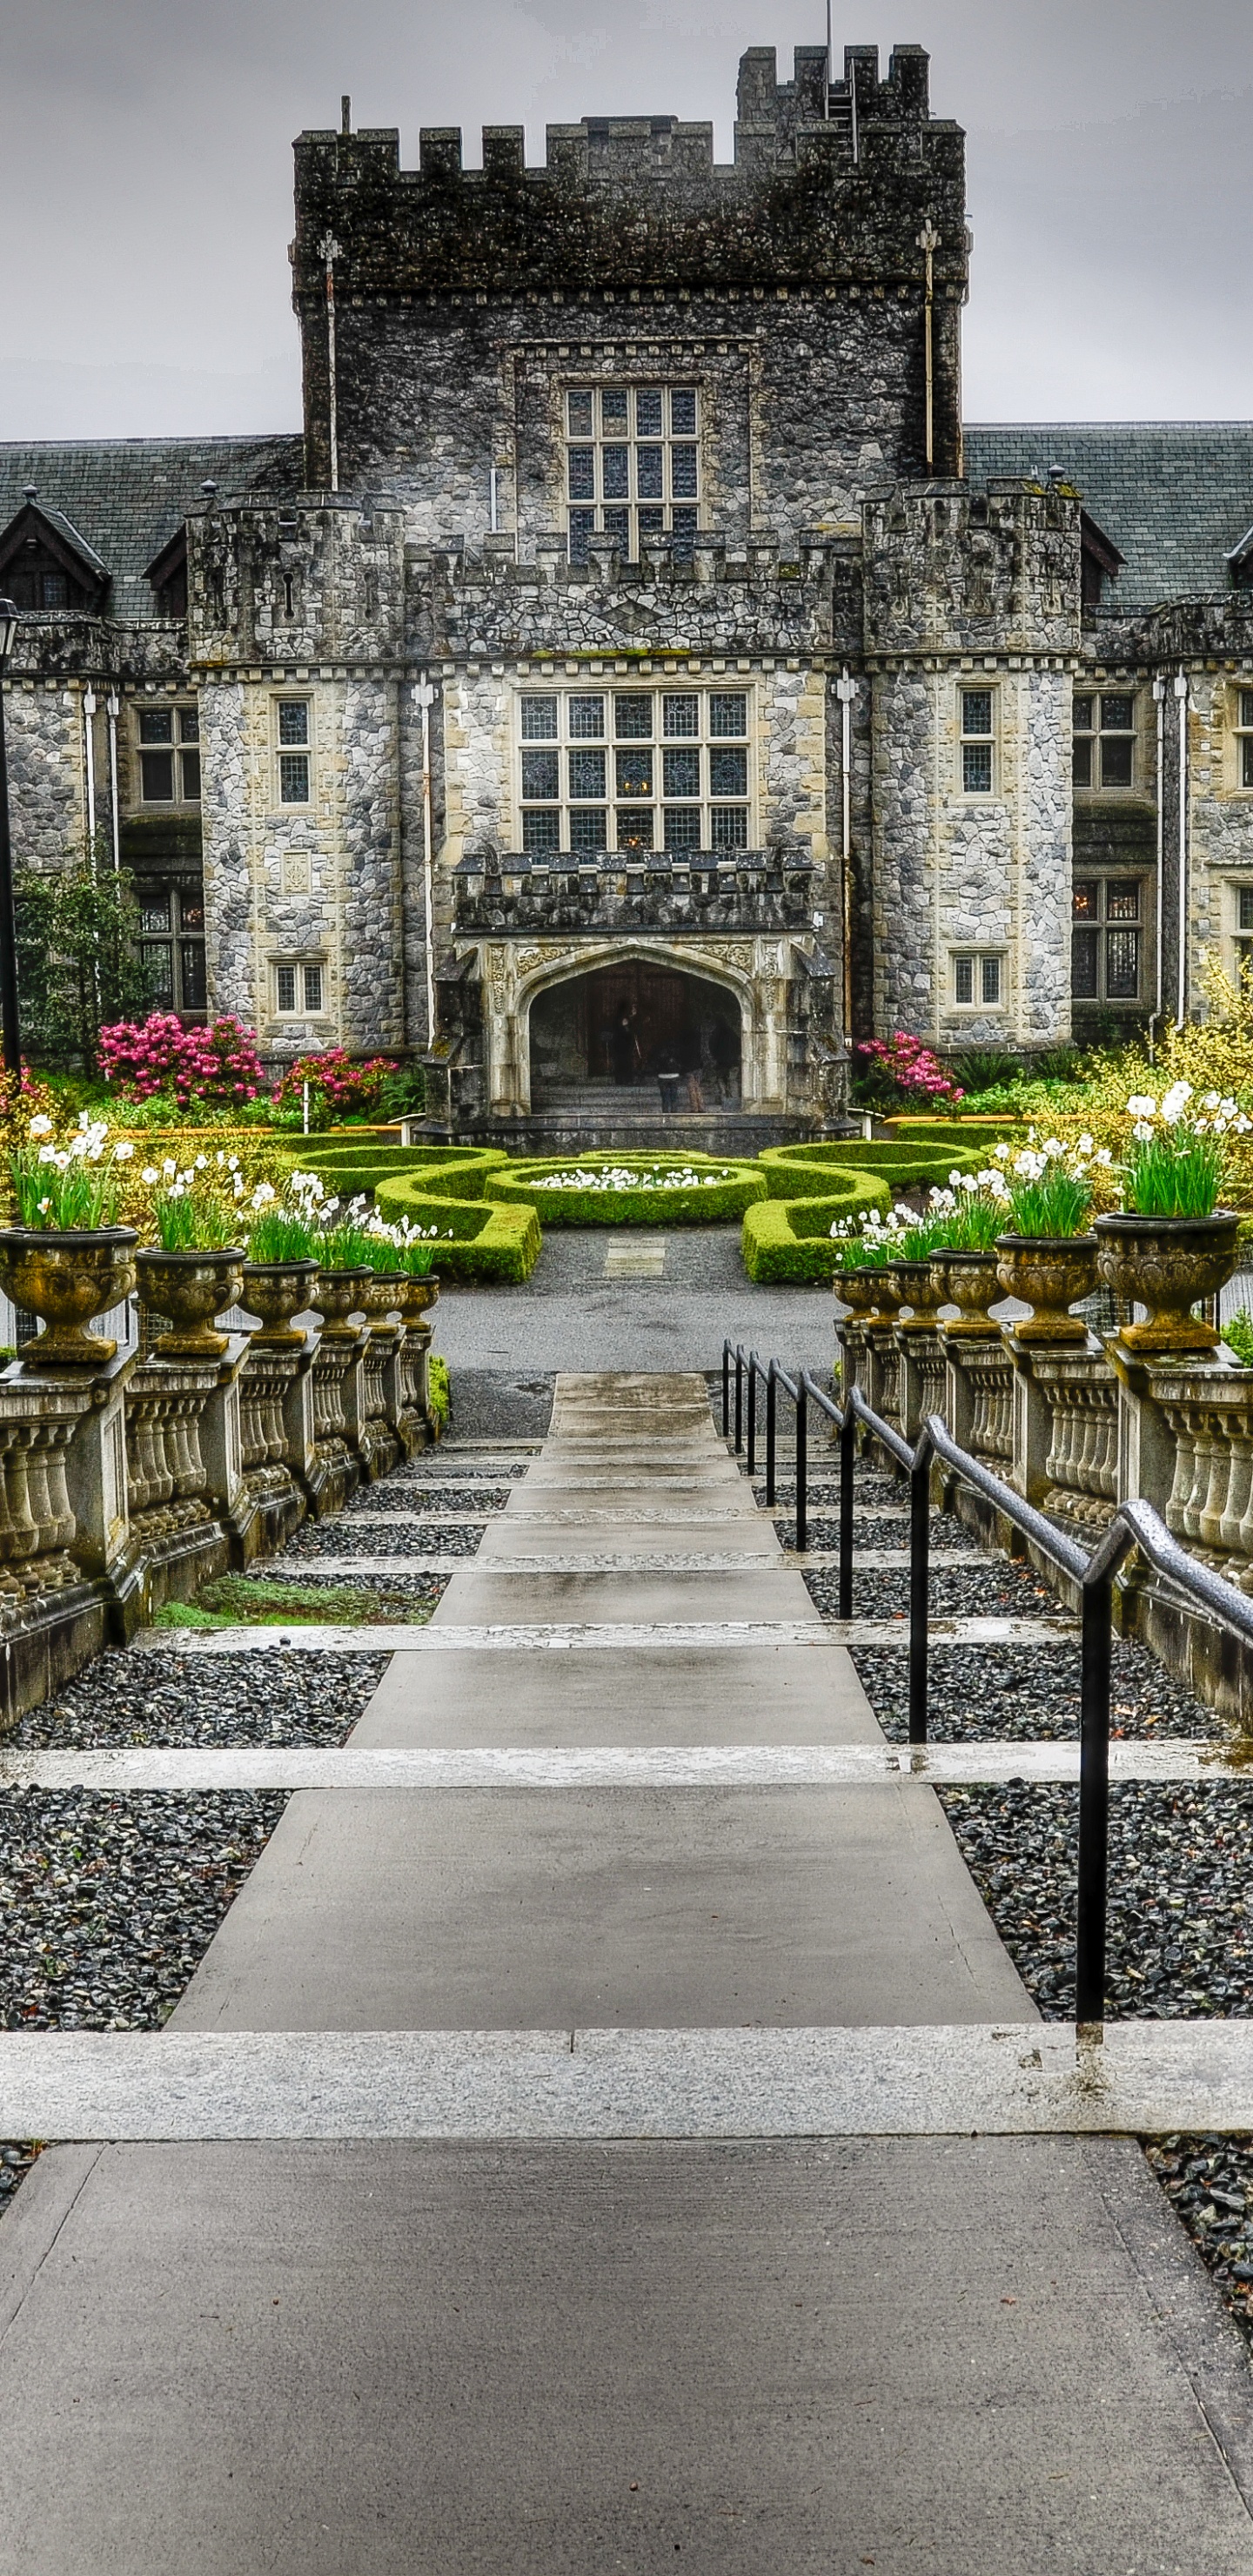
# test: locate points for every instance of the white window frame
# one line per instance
(978, 960)
(1096, 733)
(971, 686)
(663, 737)
(292, 750)
(300, 1007)
(184, 715)
(1242, 736)
(625, 507)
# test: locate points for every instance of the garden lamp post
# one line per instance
(10, 1039)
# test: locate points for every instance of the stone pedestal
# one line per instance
(921, 1374)
(1035, 1366)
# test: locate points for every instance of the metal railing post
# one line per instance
(726, 1389)
(771, 1403)
(848, 1452)
(752, 1413)
(802, 1464)
(739, 1398)
(1090, 1927)
(919, 1587)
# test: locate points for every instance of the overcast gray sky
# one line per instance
(146, 180)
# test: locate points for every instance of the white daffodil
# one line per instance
(149, 1174)
(123, 1153)
(42, 1125)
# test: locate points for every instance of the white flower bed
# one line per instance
(622, 1177)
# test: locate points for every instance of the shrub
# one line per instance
(350, 1166)
(439, 1392)
(217, 1063)
(672, 1189)
(472, 1242)
(809, 1171)
(902, 1068)
(78, 961)
(789, 1240)
(339, 1087)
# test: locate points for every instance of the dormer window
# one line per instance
(1100, 561)
(46, 567)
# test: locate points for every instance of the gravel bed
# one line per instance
(155, 1698)
(869, 1532)
(1209, 2184)
(999, 1589)
(1180, 1924)
(978, 1692)
(427, 1498)
(822, 1493)
(109, 1904)
(17, 2155)
(341, 1538)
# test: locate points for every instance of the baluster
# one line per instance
(1214, 1503)
(61, 1521)
(37, 1494)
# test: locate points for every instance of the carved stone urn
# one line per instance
(1050, 1273)
(972, 1284)
(277, 1290)
(1168, 1263)
(65, 1278)
(916, 1286)
(341, 1293)
(413, 1296)
(191, 1288)
(862, 1291)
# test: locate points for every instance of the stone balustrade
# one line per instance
(127, 1486)
(1077, 1429)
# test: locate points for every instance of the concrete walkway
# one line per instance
(517, 2343)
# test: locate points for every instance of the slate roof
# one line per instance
(1175, 495)
(125, 497)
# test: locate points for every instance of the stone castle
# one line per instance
(635, 661)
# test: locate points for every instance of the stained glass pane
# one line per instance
(582, 467)
(977, 768)
(648, 415)
(587, 829)
(1085, 900)
(615, 473)
(1122, 900)
(579, 411)
(683, 413)
(976, 711)
(539, 775)
(683, 483)
(728, 712)
(587, 719)
(539, 718)
(990, 979)
(582, 523)
(633, 719)
(682, 827)
(963, 979)
(1083, 714)
(293, 720)
(1118, 714)
(634, 772)
(728, 827)
(681, 773)
(1083, 962)
(541, 833)
(680, 713)
(189, 724)
(728, 773)
(587, 773)
(1122, 965)
(618, 524)
(613, 409)
(1246, 907)
(156, 724)
(648, 481)
(191, 957)
(293, 777)
(634, 828)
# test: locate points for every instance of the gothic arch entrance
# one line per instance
(618, 1026)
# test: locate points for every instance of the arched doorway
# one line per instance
(616, 1029)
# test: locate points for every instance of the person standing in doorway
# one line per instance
(691, 1067)
(724, 1046)
(625, 1047)
(668, 1082)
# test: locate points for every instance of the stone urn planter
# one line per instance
(277, 1290)
(341, 1293)
(1050, 1273)
(917, 1286)
(413, 1297)
(191, 1288)
(972, 1284)
(65, 1279)
(1168, 1263)
(862, 1291)
(381, 1297)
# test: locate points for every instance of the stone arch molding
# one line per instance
(513, 973)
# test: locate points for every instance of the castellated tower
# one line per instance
(578, 568)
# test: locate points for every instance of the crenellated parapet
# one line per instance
(319, 579)
(720, 601)
(950, 570)
(810, 194)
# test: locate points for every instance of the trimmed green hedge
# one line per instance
(790, 1239)
(807, 1171)
(456, 1172)
(974, 1135)
(706, 1204)
(473, 1241)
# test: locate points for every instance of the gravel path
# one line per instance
(1180, 1923)
(989, 1691)
(344, 1538)
(174, 1699)
(1209, 2184)
(16, 2159)
(109, 1904)
(999, 1589)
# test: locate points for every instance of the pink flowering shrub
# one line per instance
(216, 1063)
(903, 1070)
(348, 1089)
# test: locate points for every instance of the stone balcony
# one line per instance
(746, 891)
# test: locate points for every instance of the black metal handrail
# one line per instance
(1135, 1526)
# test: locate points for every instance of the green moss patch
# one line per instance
(264, 1601)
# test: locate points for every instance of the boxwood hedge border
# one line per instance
(788, 1241)
(709, 1204)
(489, 1244)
